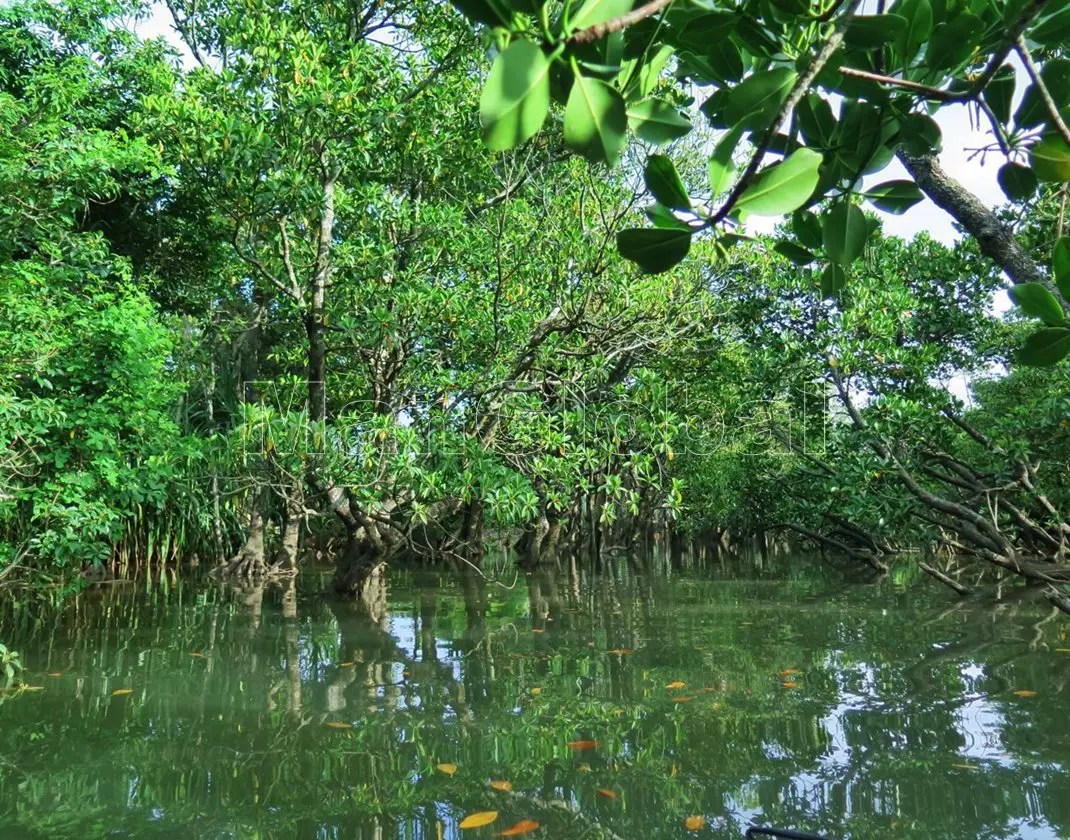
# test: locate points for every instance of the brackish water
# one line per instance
(615, 704)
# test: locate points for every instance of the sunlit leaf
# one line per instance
(1050, 159)
(536, 692)
(1036, 301)
(1025, 692)
(500, 784)
(522, 827)
(844, 232)
(516, 96)
(696, 823)
(676, 684)
(1046, 346)
(657, 122)
(596, 121)
(784, 187)
(119, 692)
(345, 664)
(479, 819)
(448, 769)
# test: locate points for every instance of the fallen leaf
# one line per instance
(676, 684)
(479, 819)
(119, 692)
(537, 630)
(582, 745)
(196, 653)
(607, 793)
(345, 664)
(621, 651)
(1062, 650)
(790, 684)
(54, 674)
(338, 724)
(31, 688)
(682, 699)
(584, 768)
(522, 827)
(695, 823)
(1025, 692)
(500, 784)
(716, 706)
(789, 672)
(536, 692)
(964, 766)
(448, 769)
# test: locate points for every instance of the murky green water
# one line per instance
(856, 711)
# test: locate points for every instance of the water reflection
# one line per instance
(616, 703)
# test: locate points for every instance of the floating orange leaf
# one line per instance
(584, 744)
(522, 827)
(789, 672)
(196, 653)
(537, 630)
(500, 784)
(448, 769)
(536, 692)
(345, 664)
(682, 699)
(621, 651)
(119, 692)
(1062, 650)
(54, 674)
(479, 819)
(337, 724)
(696, 823)
(790, 684)
(676, 684)
(607, 793)
(1025, 692)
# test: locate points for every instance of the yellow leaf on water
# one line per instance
(584, 744)
(676, 684)
(479, 819)
(790, 684)
(54, 674)
(119, 692)
(522, 827)
(1025, 692)
(537, 630)
(500, 784)
(1062, 650)
(696, 823)
(584, 768)
(448, 769)
(682, 699)
(31, 688)
(345, 664)
(621, 651)
(964, 766)
(196, 653)
(607, 793)
(789, 672)
(536, 691)
(338, 724)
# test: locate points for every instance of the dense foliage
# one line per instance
(271, 296)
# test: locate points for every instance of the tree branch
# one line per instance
(1042, 89)
(600, 30)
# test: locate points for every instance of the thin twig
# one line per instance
(1042, 89)
(600, 30)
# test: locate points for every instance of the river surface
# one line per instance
(629, 703)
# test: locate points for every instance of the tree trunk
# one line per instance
(249, 561)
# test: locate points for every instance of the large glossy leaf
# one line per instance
(596, 120)
(1050, 159)
(490, 12)
(816, 121)
(919, 17)
(1056, 77)
(721, 168)
(657, 122)
(895, 196)
(794, 252)
(953, 41)
(594, 12)
(1045, 347)
(783, 187)
(663, 182)
(833, 280)
(999, 93)
(516, 96)
(1036, 301)
(807, 227)
(754, 101)
(1017, 181)
(844, 232)
(869, 32)
(1060, 266)
(1054, 29)
(654, 249)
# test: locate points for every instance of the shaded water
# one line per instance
(269, 714)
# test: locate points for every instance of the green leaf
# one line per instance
(844, 233)
(481, 11)
(1032, 111)
(516, 97)
(807, 227)
(1051, 159)
(953, 41)
(657, 122)
(1060, 266)
(1045, 347)
(754, 101)
(1053, 30)
(1017, 181)
(796, 253)
(816, 121)
(919, 17)
(999, 94)
(1036, 301)
(594, 12)
(783, 187)
(920, 134)
(721, 169)
(833, 280)
(725, 60)
(663, 217)
(895, 197)
(596, 120)
(654, 249)
(870, 32)
(663, 182)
